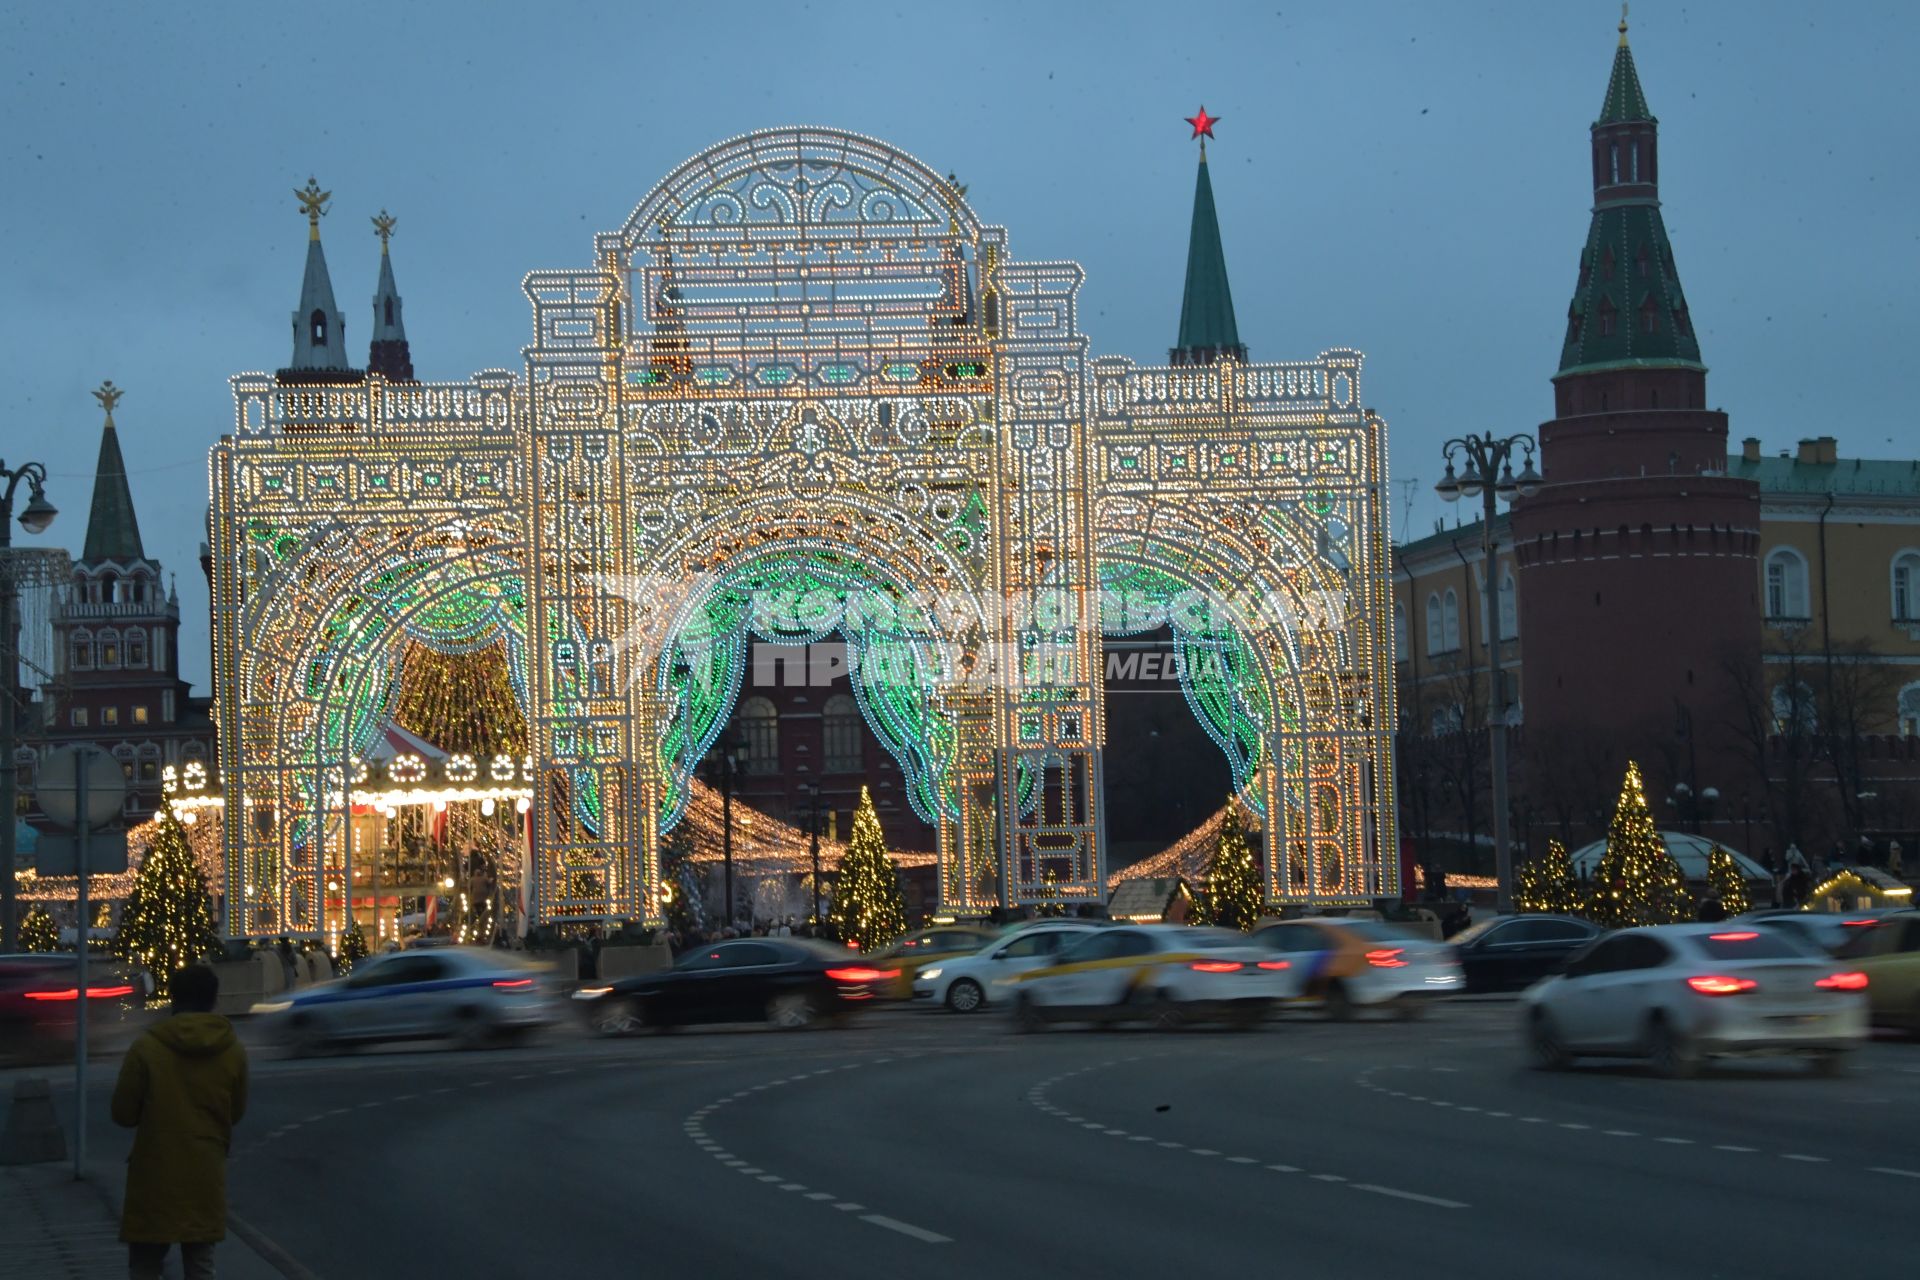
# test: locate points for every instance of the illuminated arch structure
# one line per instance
(804, 390)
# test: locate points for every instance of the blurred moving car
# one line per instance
(969, 983)
(40, 994)
(1678, 995)
(1511, 953)
(1887, 950)
(903, 960)
(1823, 930)
(474, 996)
(789, 982)
(1350, 964)
(1163, 974)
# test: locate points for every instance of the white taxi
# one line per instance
(968, 984)
(1166, 975)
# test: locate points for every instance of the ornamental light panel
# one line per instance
(802, 392)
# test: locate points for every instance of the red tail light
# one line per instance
(1843, 982)
(1732, 937)
(513, 983)
(1276, 964)
(1719, 985)
(1387, 958)
(1860, 924)
(1216, 966)
(73, 993)
(856, 975)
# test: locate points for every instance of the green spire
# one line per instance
(1625, 100)
(1628, 308)
(1207, 328)
(113, 533)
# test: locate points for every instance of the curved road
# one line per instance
(925, 1145)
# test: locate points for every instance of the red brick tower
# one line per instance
(1638, 581)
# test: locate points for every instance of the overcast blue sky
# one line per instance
(1406, 178)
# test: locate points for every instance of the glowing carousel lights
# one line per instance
(803, 370)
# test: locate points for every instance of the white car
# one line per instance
(1679, 994)
(1164, 974)
(472, 995)
(971, 983)
(1348, 964)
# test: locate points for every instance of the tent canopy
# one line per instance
(1689, 850)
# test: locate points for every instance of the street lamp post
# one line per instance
(730, 757)
(1488, 475)
(813, 840)
(39, 513)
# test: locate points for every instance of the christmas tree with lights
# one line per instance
(353, 947)
(1232, 896)
(1546, 883)
(685, 910)
(1639, 883)
(1725, 882)
(868, 910)
(167, 923)
(38, 931)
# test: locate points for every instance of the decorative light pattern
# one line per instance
(803, 391)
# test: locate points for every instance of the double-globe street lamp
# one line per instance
(34, 518)
(1487, 473)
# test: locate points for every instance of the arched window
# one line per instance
(1436, 631)
(840, 735)
(82, 645)
(318, 323)
(1909, 709)
(109, 648)
(1450, 621)
(1906, 582)
(760, 724)
(1793, 709)
(136, 647)
(1509, 610)
(1786, 585)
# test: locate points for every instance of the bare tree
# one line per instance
(1774, 719)
(1856, 698)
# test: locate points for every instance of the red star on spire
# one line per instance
(1202, 124)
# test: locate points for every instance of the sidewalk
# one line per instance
(54, 1228)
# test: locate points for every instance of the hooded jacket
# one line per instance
(182, 1087)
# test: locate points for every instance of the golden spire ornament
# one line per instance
(109, 395)
(383, 225)
(1623, 21)
(313, 203)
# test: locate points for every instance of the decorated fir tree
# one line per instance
(353, 947)
(37, 930)
(685, 910)
(1232, 896)
(868, 910)
(1725, 882)
(1546, 883)
(167, 922)
(1638, 881)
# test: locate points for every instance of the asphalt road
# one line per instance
(926, 1145)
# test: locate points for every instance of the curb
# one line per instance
(238, 1229)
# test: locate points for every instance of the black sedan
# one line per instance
(789, 982)
(1511, 953)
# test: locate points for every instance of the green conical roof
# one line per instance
(1206, 310)
(113, 533)
(1625, 100)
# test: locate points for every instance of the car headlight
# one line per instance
(591, 993)
(272, 1006)
(930, 974)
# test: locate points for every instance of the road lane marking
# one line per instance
(1283, 1168)
(1328, 1177)
(1436, 1201)
(1173, 1146)
(1570, 1124)
(1205, 1151)
(1621, 1133)
(1898, 1173)
(906, 1228)
(1241, 1160)
(819, 1195)
(848, 1206)
(1676, 1142)
(1500, 1115)
(1728, 1146)
(1804, 1159)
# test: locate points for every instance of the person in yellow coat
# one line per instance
(181, 1089)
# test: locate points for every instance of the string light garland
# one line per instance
(1546, 883)
(38, 931)
(803, 392)
(1725, 882)
(1231, 895)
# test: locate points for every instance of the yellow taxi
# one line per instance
(1166, 975)
(1886, 954)
(903, 959)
